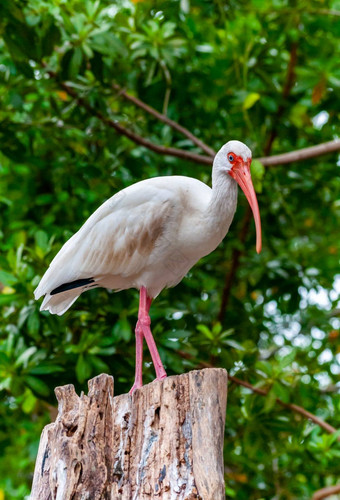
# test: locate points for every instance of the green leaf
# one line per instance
(33, 324)
(5, 383)
(288, 359)
(37, 385)
(270, 401)
(51, 38)
(122, 330)
(41, 240)
(281, 391)
(265, 367)
(217, 328)
(83, 368)
(44, 369)
(7, 278)
(29, 401)
(205, 330)
(107, 44)
(99, 365)
(234, 344)
(25, 356)
(250, 100)
(257, 174)
(71, 64)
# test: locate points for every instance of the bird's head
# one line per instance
(234, 159)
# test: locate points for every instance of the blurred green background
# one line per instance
(265, 72)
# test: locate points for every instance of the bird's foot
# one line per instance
(134, 387)
(138, 386)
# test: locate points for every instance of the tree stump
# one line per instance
(165, 441)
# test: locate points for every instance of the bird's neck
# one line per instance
(223, 201)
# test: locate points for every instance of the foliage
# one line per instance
(220, 70)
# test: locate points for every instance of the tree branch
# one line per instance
(163, 118)
(138, 139)
(327, 12)
(267, 161)
(298, 409)
(326, 492)
(301, 154)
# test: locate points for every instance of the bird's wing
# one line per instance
(121, 238)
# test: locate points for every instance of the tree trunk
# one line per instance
(165, 441)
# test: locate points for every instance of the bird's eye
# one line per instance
(231, 158)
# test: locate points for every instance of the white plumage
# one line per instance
(147, 234)
(150, 234)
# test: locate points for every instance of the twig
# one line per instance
(176, 126)
(298, 409)
(326, 492)
(290, 406)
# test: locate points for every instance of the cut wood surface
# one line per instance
(164, 441)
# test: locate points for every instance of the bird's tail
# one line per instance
(59, 303)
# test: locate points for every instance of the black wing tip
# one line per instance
(73, 284)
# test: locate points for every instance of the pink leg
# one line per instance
(139, 359)
(143, 330)
(144, 321)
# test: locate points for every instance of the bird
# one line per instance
(148, 236)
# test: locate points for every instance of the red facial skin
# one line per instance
(240, 171)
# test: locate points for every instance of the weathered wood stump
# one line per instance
(165, 441)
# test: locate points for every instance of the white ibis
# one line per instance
(148, 236)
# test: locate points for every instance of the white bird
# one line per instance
(147, 237)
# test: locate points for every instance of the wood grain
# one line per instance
(165, 441)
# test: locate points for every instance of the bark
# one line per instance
(165, 441)
(326, 492)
